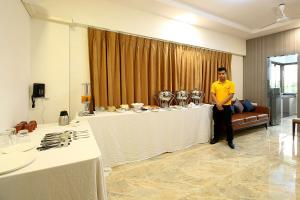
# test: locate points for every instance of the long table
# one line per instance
(130, 136)
(69, 173)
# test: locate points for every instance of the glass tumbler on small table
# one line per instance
(85, 99)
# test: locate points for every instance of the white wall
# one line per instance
(50, 65)
(237, 75)
(113, 16)
(60, 60)
(54, 40)
(14, 63)
(79, 67)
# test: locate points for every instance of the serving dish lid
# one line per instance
(165, 95)
(182, 94)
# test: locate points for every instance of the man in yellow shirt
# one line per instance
(222, 92)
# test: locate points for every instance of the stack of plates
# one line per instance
(22, 147)
(16, 160)
(16, 156)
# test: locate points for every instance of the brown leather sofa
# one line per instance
(259, 116)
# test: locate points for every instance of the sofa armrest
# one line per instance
(262, 109)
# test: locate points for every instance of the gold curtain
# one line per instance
(126, 69)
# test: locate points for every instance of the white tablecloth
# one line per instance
(129, 136)
(70, 173)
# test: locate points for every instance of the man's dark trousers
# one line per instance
(221, 118)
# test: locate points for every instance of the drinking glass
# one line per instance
(5, 139)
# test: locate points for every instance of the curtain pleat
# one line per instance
(128, 46)
(113, 69)
(145, 49)
(98, 73)
(137, 70)
(126, 69)
(152, 83)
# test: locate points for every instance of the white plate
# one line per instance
(22, 147)
(120, 110)
(179, 107)
(155, 110)
(13, 161)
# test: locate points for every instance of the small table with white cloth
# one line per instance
(129, 136)
(68, 173)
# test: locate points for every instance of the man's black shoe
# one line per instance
(213, 141)
(231, 145)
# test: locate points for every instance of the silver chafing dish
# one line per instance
(165, 98)
(182, 97)
(197, 96)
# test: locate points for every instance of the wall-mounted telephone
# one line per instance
(37, 92)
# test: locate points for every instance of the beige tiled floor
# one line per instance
(264, 165)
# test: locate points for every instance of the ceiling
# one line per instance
(242, 18)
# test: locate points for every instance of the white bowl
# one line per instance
(120, 110)
(111, 108)
(137, 105)
(124, 106)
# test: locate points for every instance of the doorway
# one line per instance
(282, 87)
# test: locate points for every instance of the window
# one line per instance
(290, 78)
(275, 76)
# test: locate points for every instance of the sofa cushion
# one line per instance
(248, 107)
(250, 118)
(237, 121)
(242, 115)
(238, 116)
(238, 106)
(262, 116)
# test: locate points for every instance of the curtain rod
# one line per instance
(151, 38)
(72, 23)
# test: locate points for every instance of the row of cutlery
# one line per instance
(61, 139)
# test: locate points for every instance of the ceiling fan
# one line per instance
(282, 18)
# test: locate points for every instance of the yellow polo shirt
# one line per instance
(223, 90)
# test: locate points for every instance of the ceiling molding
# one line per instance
(35, 12)
(206, 15)
(171, 9)
(250, 33)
